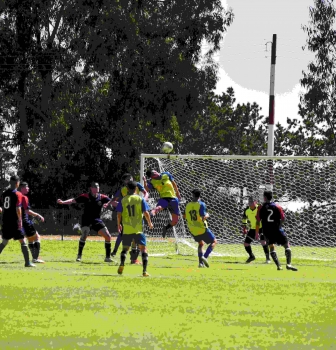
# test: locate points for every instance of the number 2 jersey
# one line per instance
(10, 200)
(194, 212)
(271, 215)
(92, 207)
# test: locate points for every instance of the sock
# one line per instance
(249, 251)
(2, 246)
(144, 261)
(117, 243)
(275, 258)
(123, 257)
(81, 247)
(108, 249)
(25, 252)
(37, 246)
(288, 253)
(32, 249)
(134, 254)
(266, 250)
(200, 254)
(208, 251)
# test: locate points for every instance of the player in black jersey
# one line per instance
(11, 203)
(272, 216)
(93, 203)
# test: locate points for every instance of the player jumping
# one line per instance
(196, 215)
(272, 216)
(250, 214)
(28, 226)
(11, 201)
(93, 204)
(131, 210)
(169, 195)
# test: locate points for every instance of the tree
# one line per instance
(318, 102)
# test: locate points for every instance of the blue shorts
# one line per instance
(207, 237)
(171, 203)
(276, 237)
(28, 229)
(139, 238)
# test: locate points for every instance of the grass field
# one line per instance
(67, 305)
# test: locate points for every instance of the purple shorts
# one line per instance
(171, 203)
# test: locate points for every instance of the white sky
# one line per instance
(242, 60)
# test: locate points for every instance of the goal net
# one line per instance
(304, 187)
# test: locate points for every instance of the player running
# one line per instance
(169, 195)
(196, 215)
(122, 192)
(28, 226)
(250, 214)
(272, 216)
(11, 201)
(130, 211)
(93, 204)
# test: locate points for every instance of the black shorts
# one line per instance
(276, 237)
(11, 232)
(250, 237)
(28, 229)
(96, 225)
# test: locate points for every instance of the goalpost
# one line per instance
(304, 186)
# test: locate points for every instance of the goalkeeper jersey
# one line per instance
(194, 213)
(132, 208)
(251, 216)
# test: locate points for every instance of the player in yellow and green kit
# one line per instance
(169, 195)
(250, 214)
(196, 215)
(131, 210)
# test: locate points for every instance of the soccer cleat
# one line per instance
(38, 261)
(201, 265)
(290, 267)
(250, 259)
(145, 274)
(205, 261)
(164, 231)
(279, 268)
(108, 259)
(79, 258)
(29, 265)
(113, 254)
(120, 269)
(136, 262)
(268, 261)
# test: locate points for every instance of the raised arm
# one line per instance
(146, 184)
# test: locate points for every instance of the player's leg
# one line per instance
(200, 251)
(134, 253)
(210, 239)
(37, 247)
(126, 243)
(82, 240)
(24, 248)
(284, 242)
(173, 206)
(105, 233)
(116, 245)
(247, 245)
(274, 255)
(140, 239)
(161, 205)
(7, 235)
(33, 241)
(264, 244)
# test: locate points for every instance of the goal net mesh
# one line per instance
(304, 187)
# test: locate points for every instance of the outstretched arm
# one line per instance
(32, 213)
(146, 184)
(68, 201)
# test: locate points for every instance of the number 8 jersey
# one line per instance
(10, 200)
(194, 213)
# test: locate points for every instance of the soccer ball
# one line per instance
(167, 147)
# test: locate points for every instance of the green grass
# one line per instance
(67, 305)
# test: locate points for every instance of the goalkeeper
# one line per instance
(250, 214)
(196, 215)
